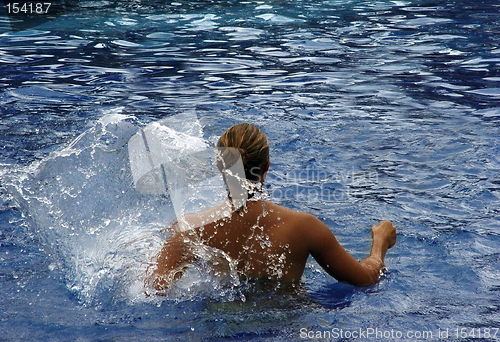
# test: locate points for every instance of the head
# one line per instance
(252, 144)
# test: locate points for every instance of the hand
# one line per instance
(386, 231)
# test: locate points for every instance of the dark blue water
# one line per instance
(374, 110)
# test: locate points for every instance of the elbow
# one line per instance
(371, 279)
(363, 281)
(368, 276)
(371, 274)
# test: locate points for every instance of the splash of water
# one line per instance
(98, 230)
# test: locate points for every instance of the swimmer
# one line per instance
(266, 240)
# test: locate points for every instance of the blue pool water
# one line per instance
(374, 110)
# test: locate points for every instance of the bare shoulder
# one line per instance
(287, 211)
(303, 225)
(288, 214)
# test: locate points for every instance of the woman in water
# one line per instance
(266, 240)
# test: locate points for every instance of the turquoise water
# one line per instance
(374, 110)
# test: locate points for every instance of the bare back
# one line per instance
(262, 239)
(269, 241)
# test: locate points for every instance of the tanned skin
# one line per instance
(268, 240)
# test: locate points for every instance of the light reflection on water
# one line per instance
(404, 90)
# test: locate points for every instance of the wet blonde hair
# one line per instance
(252, 144)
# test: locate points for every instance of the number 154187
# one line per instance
(28, 7)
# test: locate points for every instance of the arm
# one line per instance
(327, 251)
(171, 261)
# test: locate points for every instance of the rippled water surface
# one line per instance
(374, 110)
